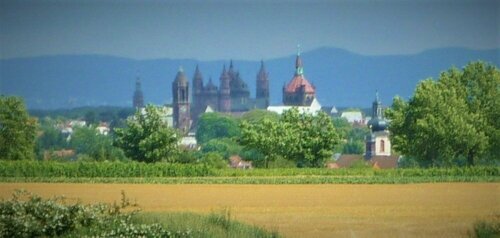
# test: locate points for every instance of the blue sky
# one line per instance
(245, 30)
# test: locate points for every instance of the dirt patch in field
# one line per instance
(407, 210)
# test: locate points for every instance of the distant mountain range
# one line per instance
(342, 78)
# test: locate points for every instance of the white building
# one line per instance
(313, 109)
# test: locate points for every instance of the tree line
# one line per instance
(452, 120)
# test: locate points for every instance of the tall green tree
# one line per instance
(147, 137)
(17, 130)
(258, 115)
(214, 125)
(450, 118)
(306, 139)
(86, 140)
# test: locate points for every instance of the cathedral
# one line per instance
(232, 95)
(299, 91)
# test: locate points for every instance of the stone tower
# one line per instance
(210, 96)
(262, 88)
(180, 92)
(138, 100)
(225, 92)
(198, 100)
(298, 92)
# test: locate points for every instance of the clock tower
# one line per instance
(180, 92)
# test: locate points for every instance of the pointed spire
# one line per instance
(262, 74)
(299, 68)
(197, 73)
(137, 83)
(230, 64)
(224, 69)
(377, 99)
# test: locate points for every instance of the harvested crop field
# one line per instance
(404, 210)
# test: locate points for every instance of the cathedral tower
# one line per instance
(225, 91)
(198, 100)
(262, 88)
(138, 100)
(180, 92)
(298, 92)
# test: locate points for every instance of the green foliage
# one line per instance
(224, 146)
(216, 126)
(214, 160)
(147, 137)
(487, 228)
(86, 140)
(114, 115)
(258, 115)
(99, 169)
(28, 215)
(354, 147)
(354, 142)
(280, 162)
(17, 130)
(187, 156)
(308, 140)
(451, 118)
(50, 137)
(214, 224)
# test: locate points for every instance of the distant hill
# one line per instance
(342, 78)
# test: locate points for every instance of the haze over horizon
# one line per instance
(242, 30)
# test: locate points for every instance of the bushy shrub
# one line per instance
(28, 215)
(214, 160)
(487, 229)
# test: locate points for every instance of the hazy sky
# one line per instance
(242, 29)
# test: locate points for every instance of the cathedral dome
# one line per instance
(297, 83)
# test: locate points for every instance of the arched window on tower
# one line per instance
(382, 146)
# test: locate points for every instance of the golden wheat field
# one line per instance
(405, 210)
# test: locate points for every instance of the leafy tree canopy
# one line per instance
(147, 137)
(214, 125)
(258, 115)
(86, 140)
(306, 139)
(450, 118)
(17, 130)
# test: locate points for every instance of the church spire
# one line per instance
(138, 100)
(299, 68)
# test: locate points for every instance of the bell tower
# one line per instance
(225, 91)
(262, 90)
(180, 92)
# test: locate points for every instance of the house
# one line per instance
(344, 161)
(103, 128)
(384, 162)
(237, 162)
(353, 117)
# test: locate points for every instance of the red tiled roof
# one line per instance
(297, 82)
(344, 161)
(384, 162)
